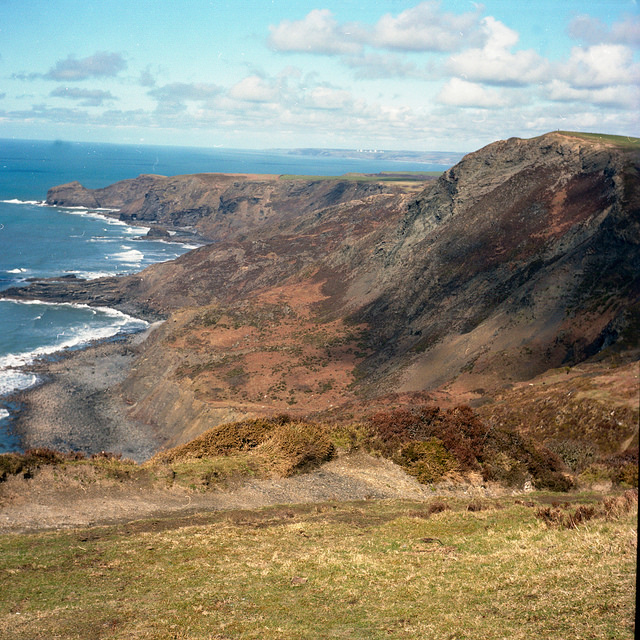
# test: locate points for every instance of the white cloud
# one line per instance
(613, 96)
(376, 66)
(100, 64)
(253, 89)
(328, 98)
(318, 32)
(88, 97)
(461, 93)
(421, 28)
(494, 63)
(425, 28)
(601, 65)
(593, 31)
(172, 98)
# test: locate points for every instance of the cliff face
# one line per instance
(218, 206)
(522, 257)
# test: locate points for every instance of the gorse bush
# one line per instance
(427, 460)
(295, 447)
(459, 430)
(619, 469)
(576, 454)
(276, 446)
(225, 439)
(431, 443)
(512, 459)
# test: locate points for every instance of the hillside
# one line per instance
(322, 294)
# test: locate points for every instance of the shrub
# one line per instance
(26, 463)
(576, 454)
(610, 508)
(624, 468)
(459, 430)
(502, 455)
(616, 506)
(106, 455)
(437, 506)
(225, 439)
(427, 460)
(620, 469)
(562, 517)
(478, 505)
(279, 446)
(295, 447)
(513, 459)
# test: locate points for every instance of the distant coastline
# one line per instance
(423, 157)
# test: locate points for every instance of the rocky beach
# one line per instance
(77, 407)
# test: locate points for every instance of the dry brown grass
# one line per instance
(363, 571)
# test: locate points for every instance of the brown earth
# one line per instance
(81, 496)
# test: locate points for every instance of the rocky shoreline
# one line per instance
(77, 406)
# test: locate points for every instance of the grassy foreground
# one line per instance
(453, 568)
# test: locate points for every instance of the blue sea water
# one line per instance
(42, 241)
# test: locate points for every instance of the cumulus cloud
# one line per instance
(318, 32)
(461, 93)
(611, 96)
(593, 31)
(100, 64)
(495, 63)
(328, 98)
(421, 28)
(253, 89)
(172, 98)
(87, 97)
(599, 66)
(425, 28)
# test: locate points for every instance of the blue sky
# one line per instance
(451, 75)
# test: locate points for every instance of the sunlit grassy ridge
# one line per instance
(621, 141)
(455, 568)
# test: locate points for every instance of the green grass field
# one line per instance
(453, 568)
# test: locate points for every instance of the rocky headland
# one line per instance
(324, 298)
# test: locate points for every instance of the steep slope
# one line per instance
(522, 257)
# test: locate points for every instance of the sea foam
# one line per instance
(129, 256)
(13, 377)
(37, 203)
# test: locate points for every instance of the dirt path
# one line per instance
(55, 499)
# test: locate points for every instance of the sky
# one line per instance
(449, 75)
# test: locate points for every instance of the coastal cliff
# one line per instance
(218, 206)
(324, 296)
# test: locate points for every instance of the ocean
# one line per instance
(42, 241)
